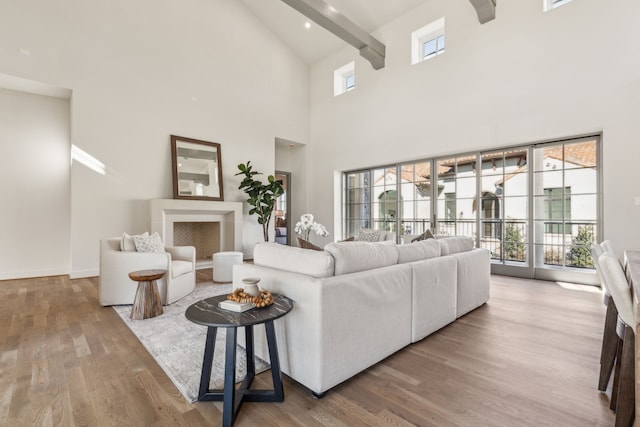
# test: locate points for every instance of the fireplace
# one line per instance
(204, 236)
(208, 226)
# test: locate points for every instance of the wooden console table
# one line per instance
(632, 269)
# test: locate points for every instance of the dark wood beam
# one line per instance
(330, 19)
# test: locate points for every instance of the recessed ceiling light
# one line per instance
(307, 25)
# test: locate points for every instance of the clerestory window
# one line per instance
(344, 79)
(428, 41)
(552, 4)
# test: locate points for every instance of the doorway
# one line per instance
(283, 209)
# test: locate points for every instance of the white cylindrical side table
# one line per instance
(223, 263)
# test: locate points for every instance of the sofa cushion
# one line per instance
(419, 250)
(351, 257)
(296, 260)
(454, 244)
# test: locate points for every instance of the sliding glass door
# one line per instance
(536, 208)
(504, 214)
(566, 206)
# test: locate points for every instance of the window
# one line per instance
(344, 79)
(450, 207)
(536, 207)
(427, 41)
(552, 4)
(566, 199)
(557, 208)
(433, 47)
(350, 82)
(357, 209)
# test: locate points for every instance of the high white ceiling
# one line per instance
(316, 43)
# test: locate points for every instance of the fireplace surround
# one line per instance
(209, 225)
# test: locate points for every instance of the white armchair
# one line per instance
(115, 265)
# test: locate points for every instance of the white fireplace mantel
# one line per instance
(165, 212)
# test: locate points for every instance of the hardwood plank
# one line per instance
(528, 357)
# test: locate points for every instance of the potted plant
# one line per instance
(304, 227)
(262, 197)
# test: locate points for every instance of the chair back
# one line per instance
(607, 246)
(618, 287)
(596, 251)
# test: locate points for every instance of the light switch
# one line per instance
(637, 200)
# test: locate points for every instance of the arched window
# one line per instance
(490, 211)
(388, 209)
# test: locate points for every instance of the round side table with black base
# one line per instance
(207, 313)
(147, 302)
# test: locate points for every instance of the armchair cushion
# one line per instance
(178, 268)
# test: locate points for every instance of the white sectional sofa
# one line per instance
(355, 303)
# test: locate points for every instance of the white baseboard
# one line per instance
(79, 274)
(13, 275)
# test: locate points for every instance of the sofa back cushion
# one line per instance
(419, 250)
(454, 244)
(296, 260)
(351, 257)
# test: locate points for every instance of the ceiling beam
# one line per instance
(320, 12)
(486, 10)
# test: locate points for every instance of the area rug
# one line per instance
(177, 344)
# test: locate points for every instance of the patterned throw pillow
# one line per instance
(127, 244)
(152, 243)
(368, 235)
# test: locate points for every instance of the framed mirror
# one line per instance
(197, 169)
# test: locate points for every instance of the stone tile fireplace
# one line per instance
(208, 226)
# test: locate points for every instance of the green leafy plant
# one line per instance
(514, 245)
(580, 253)
(262, 197)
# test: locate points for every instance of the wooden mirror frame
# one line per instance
(212, 147)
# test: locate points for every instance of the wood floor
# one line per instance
(530, 357)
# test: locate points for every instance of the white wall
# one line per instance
(141, 71)
(527, 76)
(34, 183)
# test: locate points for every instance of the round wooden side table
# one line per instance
(147, 302)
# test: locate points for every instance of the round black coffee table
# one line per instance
(206, 312)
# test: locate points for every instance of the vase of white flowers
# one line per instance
(307, 224)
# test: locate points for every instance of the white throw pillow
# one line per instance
(152, 243)
(127, 244)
